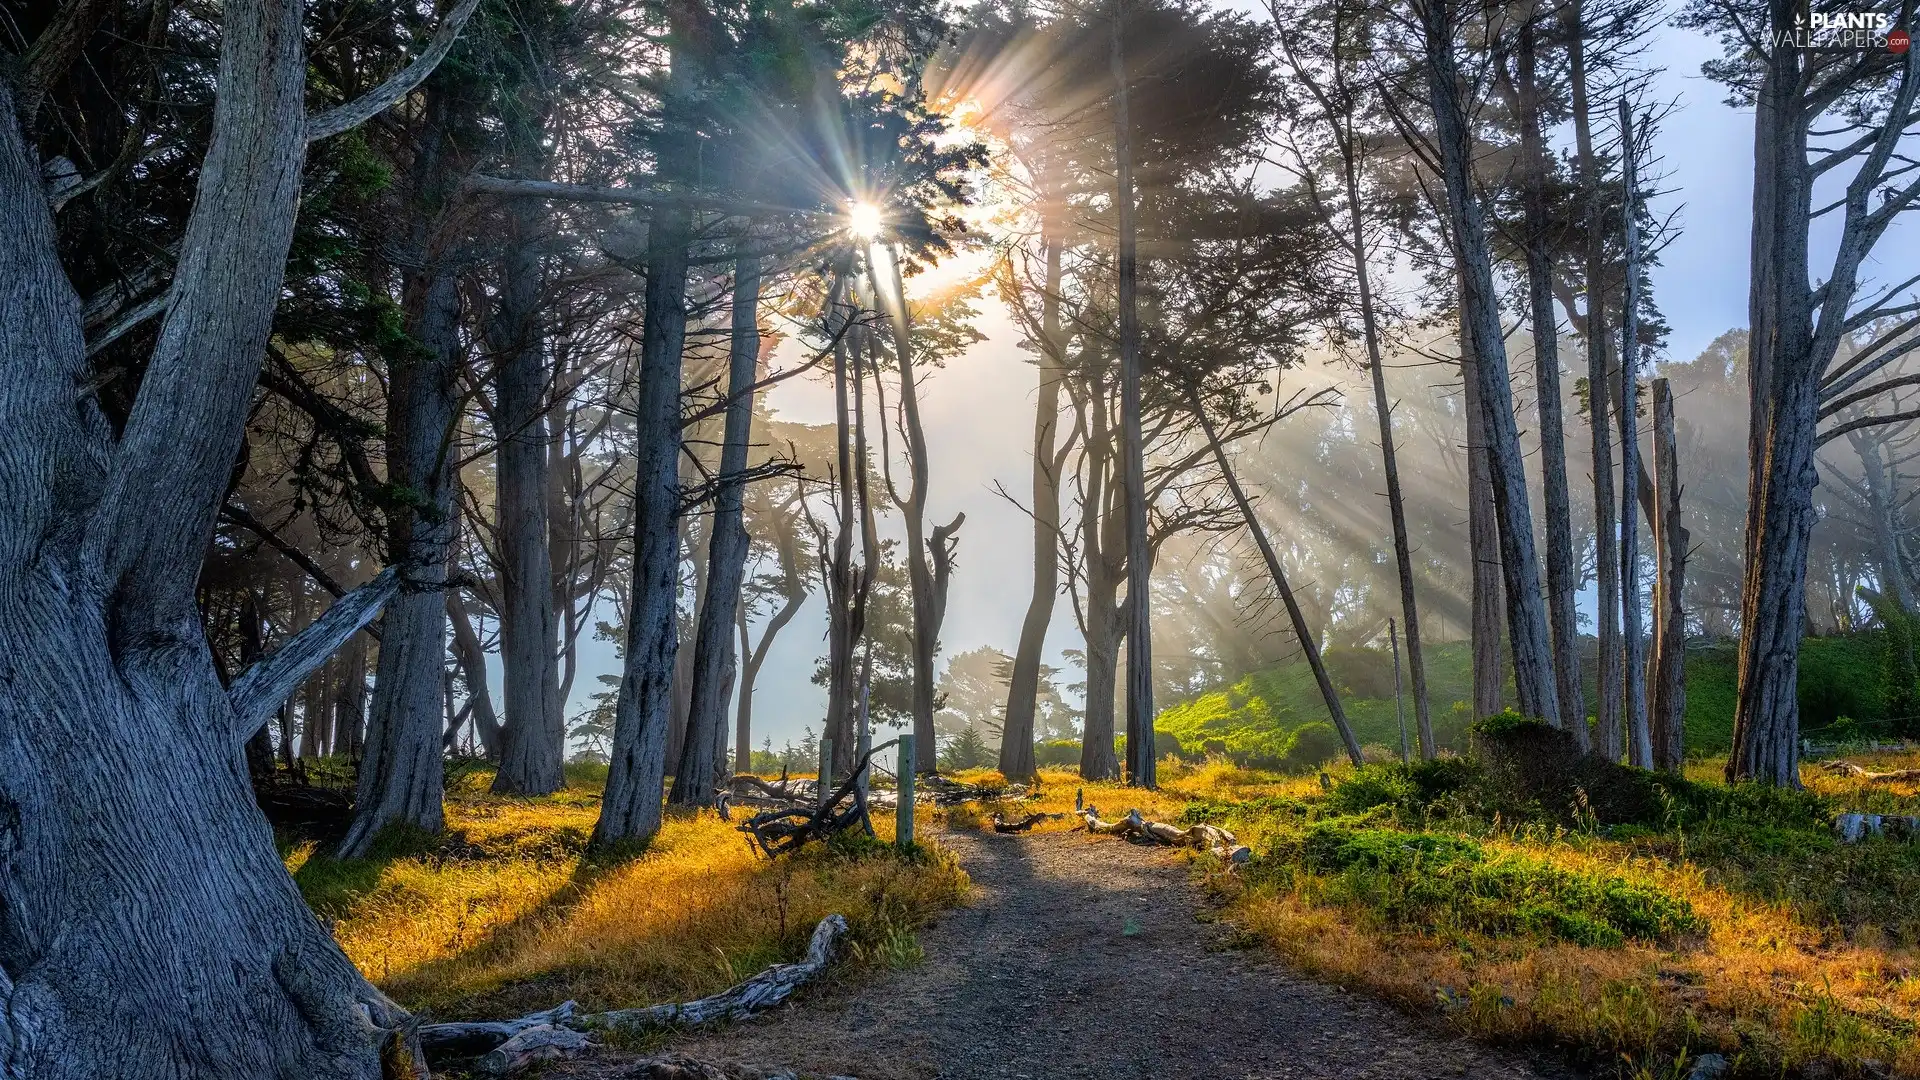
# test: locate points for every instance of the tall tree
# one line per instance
(1796, 327)
(1526, 618)
(1141, 759)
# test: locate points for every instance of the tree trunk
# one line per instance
(1607, 736)
(142, 890)
(1563, 575)
(1104, 631)
(1783, 379)
(1389, 458)
(1141, 758)
(472, 658)
(1301, 633)
(1633, 669)
(630, 809)
(842, 582)
(1526, 616)
(1023, 688)
(1668, 704)
(700, 767)
(401, 772)
(927, 607)
(534, 738)
(1483, 546)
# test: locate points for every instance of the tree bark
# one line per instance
(1668, 695)
(1526, 616)
(702, 764)
(534, 736)
(1562, 572)
(1023, 687)
(1141, 757)
(795, 594)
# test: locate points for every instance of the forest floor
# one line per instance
(1083, 956)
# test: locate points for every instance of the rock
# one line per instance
(1708, 1067)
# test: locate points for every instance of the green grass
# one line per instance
(1255, 717)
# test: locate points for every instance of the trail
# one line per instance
(1039, 979)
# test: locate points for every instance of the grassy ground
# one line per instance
(503, 915)
(1727, 921)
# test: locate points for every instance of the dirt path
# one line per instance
(1038, 980)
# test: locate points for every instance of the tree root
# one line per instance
(508, 1046)
(1896, 776)
(1210, 838)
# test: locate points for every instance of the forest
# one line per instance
(605, 538)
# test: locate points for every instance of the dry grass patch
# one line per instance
(504, 915)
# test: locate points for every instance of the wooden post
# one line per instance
(826, 769)
(903, 821)
(1399, 710)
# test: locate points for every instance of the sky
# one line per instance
(978, 412)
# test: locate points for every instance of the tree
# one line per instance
(1796, 378)
(1480, 317)
(139, 862)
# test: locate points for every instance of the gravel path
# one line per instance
(1039, 980)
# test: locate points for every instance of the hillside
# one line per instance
(1841, 677)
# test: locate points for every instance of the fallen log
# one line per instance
(1209, 838)
(508, 1046)
(1853, 828)
(1895, 776)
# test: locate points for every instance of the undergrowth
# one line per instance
(1636, 919)
(503, 914)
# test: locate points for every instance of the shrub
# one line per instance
(1057, 754)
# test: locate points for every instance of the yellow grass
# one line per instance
(504, 916)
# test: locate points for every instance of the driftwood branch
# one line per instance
(1002, 825)
(265, 686)
(508, 1046)
(351, 115)
(786, 828)
(1895, 776)
(1209, 838)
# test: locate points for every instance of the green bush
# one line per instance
(1057, 754)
